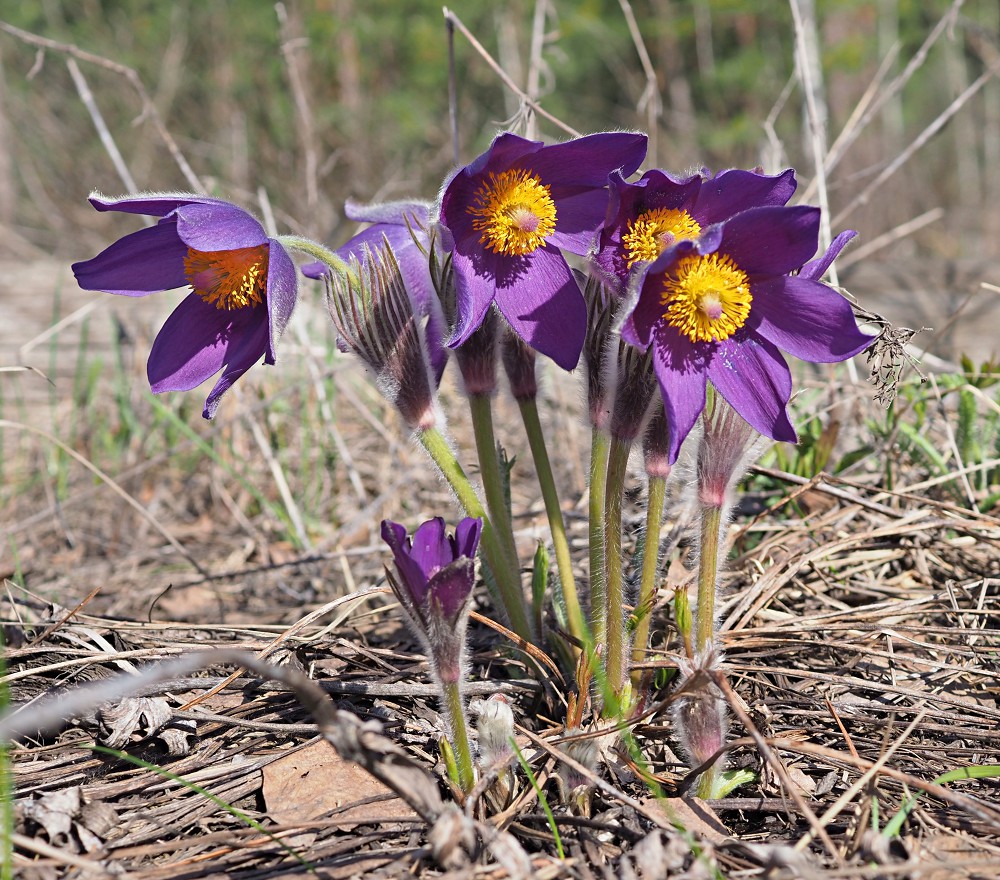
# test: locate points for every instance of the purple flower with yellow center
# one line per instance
(243, 287)
(657, 211)
(506, 217)
(719, 307)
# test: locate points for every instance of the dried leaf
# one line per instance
(312, 781)
(119, 721)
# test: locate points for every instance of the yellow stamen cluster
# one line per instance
(514, 212)
(652, 231)
(228, 279)
(706, 298)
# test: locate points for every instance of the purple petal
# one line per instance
(153, 204)
(197, 340)
(315, 270)
(579, 214)
(807, 319)
(431, 549)
(218, 226)
(474, 291)
(752, 375)
(190, 347)
(394, 213)
(143, 262)
(816, 269)
(730, 192)
(458, 197)
(587, 161)
(506, 150)
(680, 368)
(248, 345)
(771, 241)
(282, 290)
(545, 307)
(449, 589)
(467, 535)
(414, 581)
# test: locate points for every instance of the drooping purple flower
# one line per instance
(405, 227)
(243, 287)
(659, 210)
(720, 306)
(507, 215)
(436, 570)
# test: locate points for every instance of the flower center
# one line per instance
(706, 298)
(228, 279)
(514, 212)
(652, 231)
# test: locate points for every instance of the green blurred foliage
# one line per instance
(375, 77)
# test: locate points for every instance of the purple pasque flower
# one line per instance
(659, 210)
(405, 227)
(243, 287)
(719, 308)
(507, 215)
(436, 575)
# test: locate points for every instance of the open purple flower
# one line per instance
(720, 306)
(659, 210)
(243, 287)
(507, 215)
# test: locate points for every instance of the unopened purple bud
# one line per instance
(656, 443)
(519, 364)
(633, 392)
(477, 357)
(600, 312)
(374, 315)
(726, 450)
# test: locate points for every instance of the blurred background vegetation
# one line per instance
(316, 101)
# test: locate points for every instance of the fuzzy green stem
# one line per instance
(647, 585)
(507, 578)
(708, 567)
(553, 510)
(314, 249)
(455, 708)
(481, 409)
(707, 782)
(615, 569)
(599, 442)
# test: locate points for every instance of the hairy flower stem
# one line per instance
(481, 408)
(599, 442)
(615, 659)
(708, 566)
(314, 249)
(455, 708)
(553, 510)
(507, 579)
(647, 585)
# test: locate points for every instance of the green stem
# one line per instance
(708, 567)
(507, 579)
(708, 782)
(599, 442)
(455, 707)
(650, 558)
(314, 249)
(481, 409)
(553, 510)
(615, 568)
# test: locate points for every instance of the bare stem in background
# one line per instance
(148, 107)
